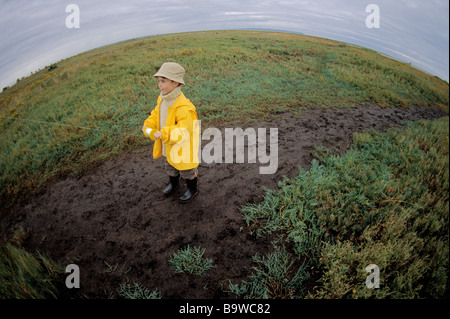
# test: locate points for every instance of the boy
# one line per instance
(172, 125)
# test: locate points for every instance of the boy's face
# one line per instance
(166, 86)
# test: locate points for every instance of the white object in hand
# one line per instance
(147, 131)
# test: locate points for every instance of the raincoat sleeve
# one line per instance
(152, 122)
(183, 128)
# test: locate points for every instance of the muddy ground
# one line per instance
(117, 216)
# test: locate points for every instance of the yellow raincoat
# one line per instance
(180, 135)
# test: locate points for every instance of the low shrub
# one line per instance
(275, 277)
(385, 201)
(190, 260)
(137, 291)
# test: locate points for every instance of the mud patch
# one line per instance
(117, 227)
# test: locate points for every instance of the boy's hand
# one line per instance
(158, 135)
(147, 131)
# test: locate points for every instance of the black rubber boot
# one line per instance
(191, 192)
(174, 181)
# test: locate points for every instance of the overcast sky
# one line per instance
(34, 32)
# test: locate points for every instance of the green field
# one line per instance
(232, 77)
(386, 199)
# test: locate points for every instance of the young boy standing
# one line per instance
(171, 124)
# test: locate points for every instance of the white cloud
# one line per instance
(415, 31)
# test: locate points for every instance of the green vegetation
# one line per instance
(384, 202)
(190, 260)
(27, 276)
(136, 291)
(91, 107)
(273, 278)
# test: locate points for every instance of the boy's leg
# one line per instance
(170, 170)
(190, 176)
(174, 176)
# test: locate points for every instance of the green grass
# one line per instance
(27, 276)
(385, 201)
(137, 291)
(92, 106)
(274, 277)
(190, 260)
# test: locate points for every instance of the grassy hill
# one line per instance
(386, 199)
(91, 106)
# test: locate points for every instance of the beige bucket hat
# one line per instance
(172, 71)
